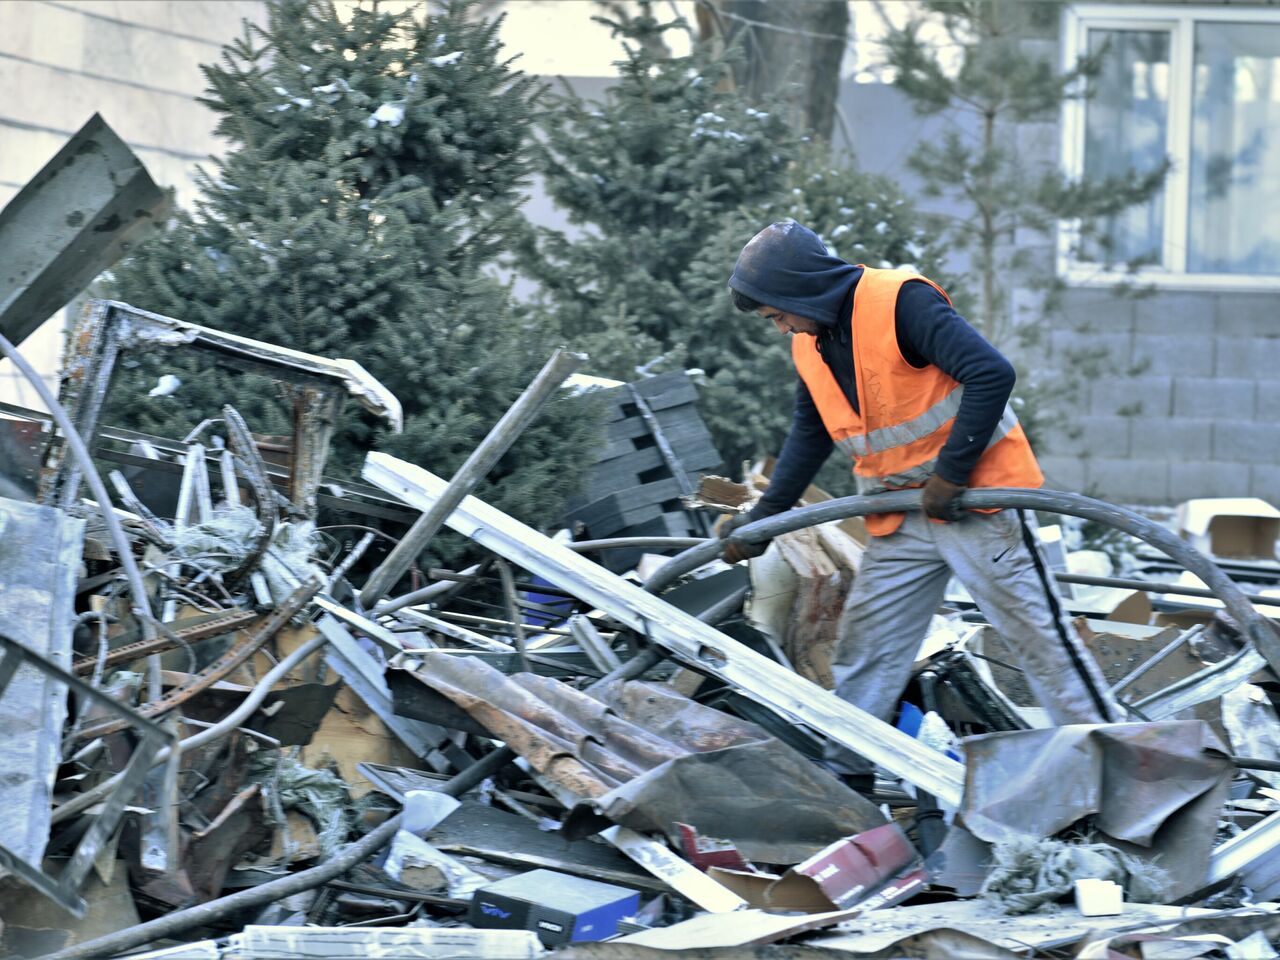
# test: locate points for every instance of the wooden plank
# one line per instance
(694, 452)
(743, 928)
(679, 874)
(678, 396)
(687, 638)
(679, 418)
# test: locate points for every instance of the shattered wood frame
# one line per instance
(152, 738)
(315, 385)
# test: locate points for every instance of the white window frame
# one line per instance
(1180, 21)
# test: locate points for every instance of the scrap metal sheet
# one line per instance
(642, 756)
(1153, 789)
(39, 554)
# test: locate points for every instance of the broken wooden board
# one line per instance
(745, 928)
(686, 637)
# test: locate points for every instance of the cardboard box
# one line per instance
(558, 907)
(1240, 527)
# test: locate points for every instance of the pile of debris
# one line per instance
(222, 736)
(215, 738)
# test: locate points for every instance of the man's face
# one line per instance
(789, 322)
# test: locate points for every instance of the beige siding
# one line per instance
(136, 62)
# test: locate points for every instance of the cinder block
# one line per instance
(1217, 398)
(1169, 438)
(1145, 396)
(20, 27)
(1244, 314)
(1044, 49)
(212, 21)
(1189, 481)
(1246, 441)
(1248, 357)
(156, 118)
(1026, 306)
(1098, 307)
(1174, 311)
(1063, 473)
(1038, 260)
(1076, 350)
(1128, 481)
(1174, 353)
(1267, 406)
(1091, 436)
(1264, 482)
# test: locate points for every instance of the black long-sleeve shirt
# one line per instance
(930, 331)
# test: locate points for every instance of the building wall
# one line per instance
(1192, 405)
(137, 63)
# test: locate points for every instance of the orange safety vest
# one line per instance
(907, 412)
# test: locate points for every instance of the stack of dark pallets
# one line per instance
(632, 490)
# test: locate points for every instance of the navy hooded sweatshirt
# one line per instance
(786, 266)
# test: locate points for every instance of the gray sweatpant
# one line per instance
(901, 583)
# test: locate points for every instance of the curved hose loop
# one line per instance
(1257, 628)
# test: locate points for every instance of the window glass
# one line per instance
(1235, 150)
(1126, 121)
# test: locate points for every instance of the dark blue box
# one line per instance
(558, 907)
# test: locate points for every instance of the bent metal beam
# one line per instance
(686, 637)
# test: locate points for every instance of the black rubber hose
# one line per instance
(1257, 628)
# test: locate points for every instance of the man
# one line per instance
(901, 383)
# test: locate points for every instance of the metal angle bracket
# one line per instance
(64, 889)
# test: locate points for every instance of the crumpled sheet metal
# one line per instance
(642, 756)
(1153, 789)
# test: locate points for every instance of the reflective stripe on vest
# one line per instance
(921, 473)
(907, 412)
(911, 430)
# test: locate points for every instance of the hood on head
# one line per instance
(787, 266)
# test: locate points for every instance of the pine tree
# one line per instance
(669, 177)
(374, 180)
(649, 174)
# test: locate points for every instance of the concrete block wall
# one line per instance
(1189, 405)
